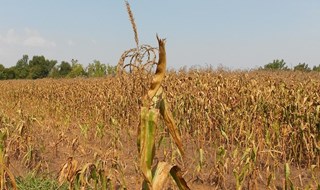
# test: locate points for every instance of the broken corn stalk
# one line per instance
(154, 104)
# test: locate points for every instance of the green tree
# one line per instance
(22, 68)
(316, 68)
(54, 72)
(76, 69)
(40, 67)
(61, 70)
(2, 72)
(9, 73)
(276, 65)
(96, 69)
(111, 70)
(64, 68)
(302, 67)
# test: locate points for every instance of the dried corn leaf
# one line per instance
(68, 171)
(162, 173)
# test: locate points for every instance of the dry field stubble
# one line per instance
(255, 130)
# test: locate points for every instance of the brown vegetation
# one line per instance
(239, 129)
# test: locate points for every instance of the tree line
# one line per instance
(281, 65)
(39, 67)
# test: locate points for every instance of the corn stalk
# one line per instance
(154, 105)
(7, 180)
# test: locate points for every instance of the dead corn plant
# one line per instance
(90, 176)
(7, 180)
(153, 105)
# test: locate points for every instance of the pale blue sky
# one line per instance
(236, 34)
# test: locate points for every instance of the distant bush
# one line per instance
(302, 67)
(276, 65)
(316, 68)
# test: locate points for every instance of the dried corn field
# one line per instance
(249, 130)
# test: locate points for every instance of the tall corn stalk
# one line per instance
(153, 105)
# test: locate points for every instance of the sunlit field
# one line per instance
(250, 130)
